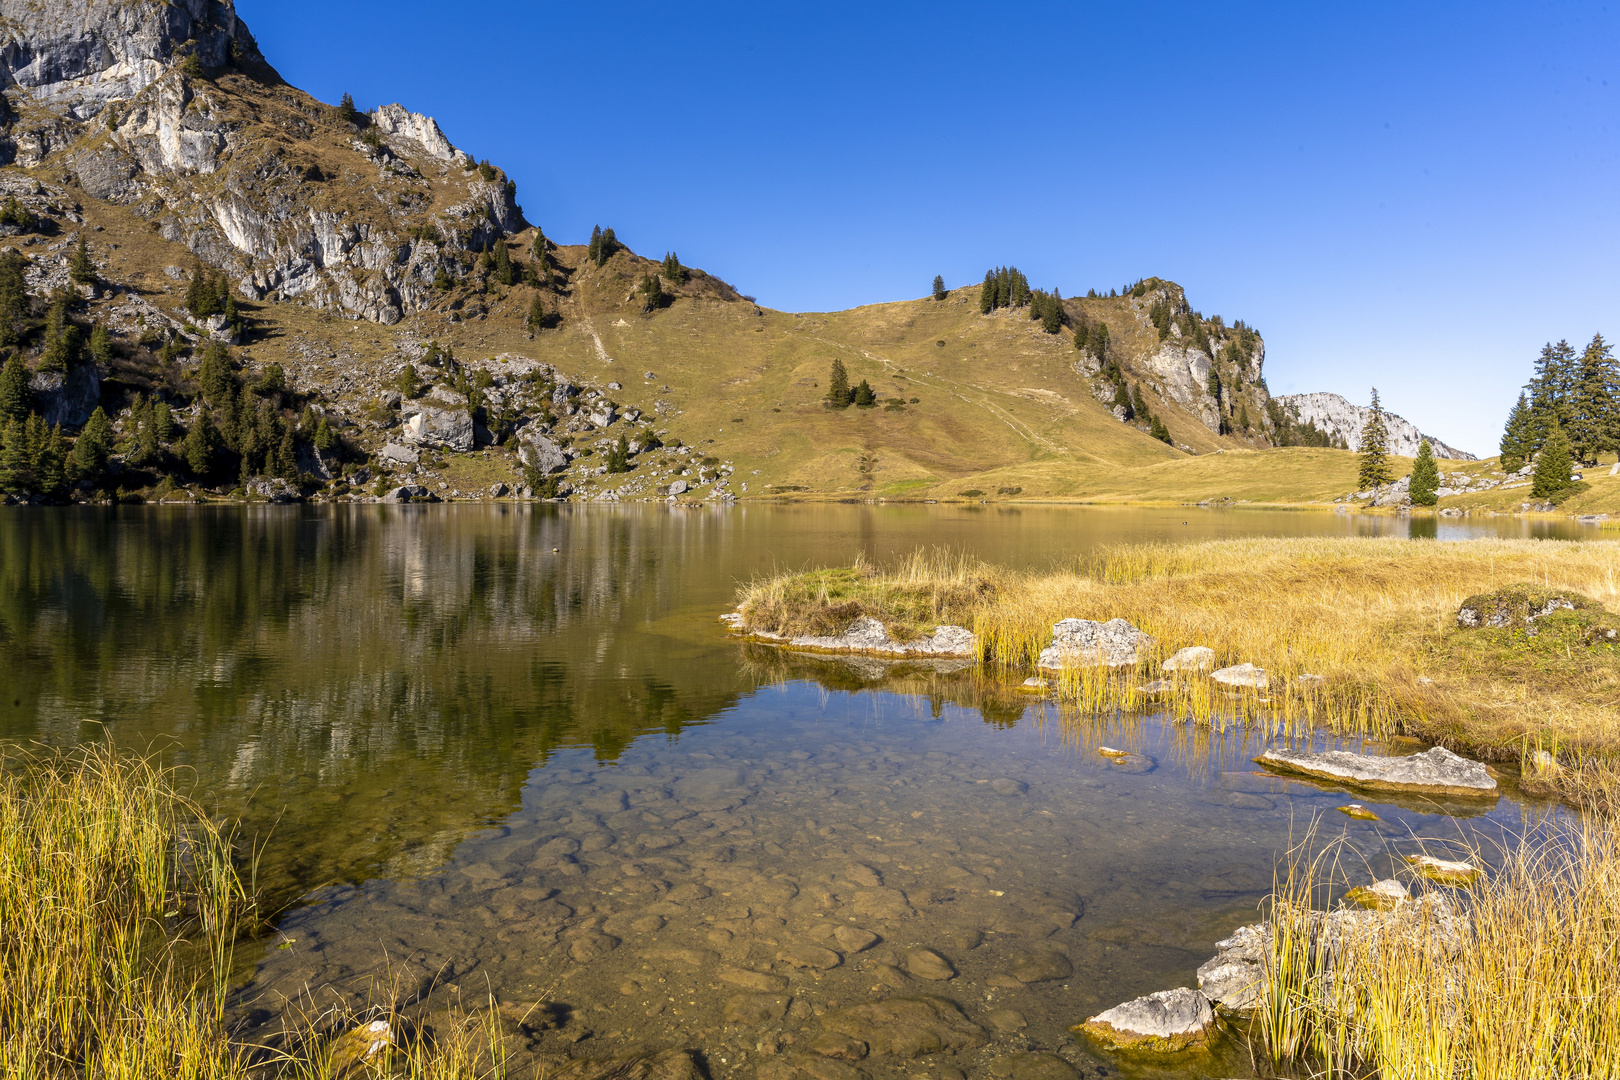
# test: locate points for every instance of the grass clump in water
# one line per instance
(1517, 975)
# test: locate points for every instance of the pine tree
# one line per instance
(1425, 480)
(14, 393)
(1374, 470)
(13, 457)
(1518, 437)
(287, 455)
(1243, 416)
(50, 467)
(652, 293)
(863, 397)
(594, 253)
(540, 245)
(81, 268)
(1139, 403)
(14, 303)
(838, 396)
(1551, 477)
(91, 449)
(619, 457)
(987, 293)
(1099, 342)
(163, 422)
(1550, 388)
(346, 110)
(1157, 429)
(674, 272)
(101, 345)
(939, 287)
(503, 271)
(199, 448)
(324, 439)
(214, 374)
(1592, 403)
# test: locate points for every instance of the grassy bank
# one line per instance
(121, 904)
(1374, 618)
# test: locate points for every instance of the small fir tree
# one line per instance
(50, 466)
(939, 287)
(987, 293)
(503, 270)
(863, 397)
(1160, 432)
(163, 422)
(1425, 483)
(1551, 478)
(1374, 462)
(199, 449)
(838, 394)
(1517, 437)
(594, 252)
(14, 393)
(346, 110)
(618, 460)
(91, 449)
(101, 345)
(81, 268)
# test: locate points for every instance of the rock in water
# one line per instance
(1433, 772)
(1232, 977)
(866, 636)
(1242, 675)
(1192, 658)
(1164, 1022)
(907, 1027)
(928, 964)
(1083, 643)
(664, 1065)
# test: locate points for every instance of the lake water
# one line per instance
(510, 749)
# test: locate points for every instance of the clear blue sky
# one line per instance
(1412, 196)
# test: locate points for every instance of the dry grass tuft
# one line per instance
(1517, 976)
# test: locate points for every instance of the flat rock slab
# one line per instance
(867, 637)
(1168, 1021)
(1433, 772)
(907, 1027)
(1241, 676)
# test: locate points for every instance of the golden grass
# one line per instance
(1517, 976)
(1375, 618)
(120, 906)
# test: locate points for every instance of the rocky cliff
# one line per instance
(1342, 419)
(169, 109)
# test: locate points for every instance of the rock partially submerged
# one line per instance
(1168, 1021)
(1433, 772)
(1234, 976)
(866, 636)
(1084, 643)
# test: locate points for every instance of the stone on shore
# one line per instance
(1192, 658)
(1241, 676)
(1232, 978)
(867, 636)
(1384, 895)
(1433, 772)
(1083, 643)
(1168, 1021)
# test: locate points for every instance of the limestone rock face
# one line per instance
(1183, 372)
(66, 399)
(1164, 1022)
(1342, 419)
(451, 429)
(1434, 772)
(1082, 643)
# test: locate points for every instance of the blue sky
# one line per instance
(1407, 196)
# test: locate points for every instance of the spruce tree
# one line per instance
(1139, 403)
(101, 345)
(619, 457)
(1425, 480)
(13, 457)
(14, 393)
(503, 271)
(1157, 429)
(198, 448)
(14, 303)
(1551, 477)
(1374, 470)
(863, 397)
(939, 287)
(1517, 437)
(1592, 403)
(1550, 388)
(594, 252)
(1099, 342)
(50, 468)
(163, 422)
(91, 449)
(346, 110)
(81, 268)
(838, 396)
(987, 293)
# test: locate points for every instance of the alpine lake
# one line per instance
(510, 751)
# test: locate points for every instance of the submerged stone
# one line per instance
(928, 964)
(1359, 812)
(907, 1027)
(1433, 772)
(1444, 871)
(1168, 1021)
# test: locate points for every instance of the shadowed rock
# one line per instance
(1437, 771)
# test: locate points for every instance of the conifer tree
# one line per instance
(14, 305)
(1425, 482)
(1374, 463)
(594, 252)
(503, 271)
(1139, 403)
(198, 448)
(1099, 342)
(50, 467)
(619, 457)
(14, 392)
(863, 396)
(287, 455)
(214, 374)
(1550, 388)
(163, 422)
(607, 247)
(838, 395)
(1551, 477)
(540, 245)
(101, 345)
(324, 439)
(1157, 429)
(939, 287)
(1518, 436)
(91, 449)
(1243, 416)
(346, 110)
(1592, 428)
(13, 457)
(81, 268)
(987, 293)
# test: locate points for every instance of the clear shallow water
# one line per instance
(510, 749)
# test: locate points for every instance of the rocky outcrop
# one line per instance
(1519, 606)
(1233, 977)
(1433, 772)
(539, 452)
(1341, 419)
(66, 399)
(449, 429)
(1084, 643)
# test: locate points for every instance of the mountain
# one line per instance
(341, 302)
(1344, 421)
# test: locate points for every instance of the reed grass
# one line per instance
(1374, 618)
(121, 903)
(1517, 976)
